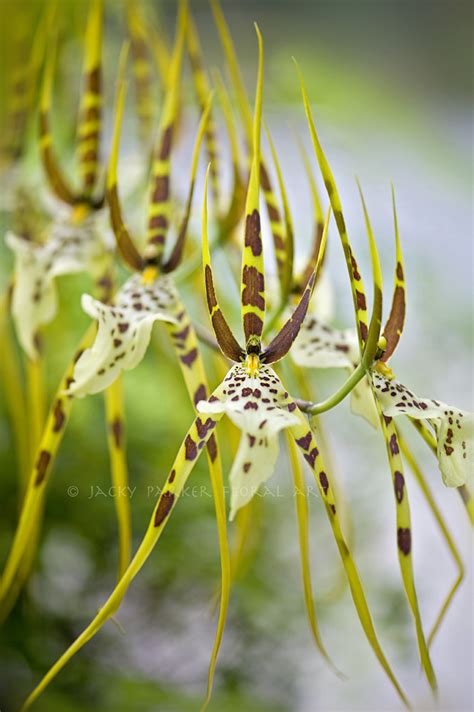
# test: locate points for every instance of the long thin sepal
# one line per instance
(396, 319)
(305, 440)
(59, 185)
(192, 367)
(421, 480)
(159, 203)
(203, 89)
(301, 504)
(376, 317)
(284, 256)
(404, 537)
(285, 338)
(357, 285)
(225, 338)
(90, 115)
(47, 451)
(142, 69)
(253, 278)
(318, 217)
(115, 417)
(125, 245)
(183, 465)
(176, 255)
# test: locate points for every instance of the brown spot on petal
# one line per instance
(164, 507)
(247, 466)
(253, 238)
(324, 482)
(399, 271)
(361, 303)
(404, 540)
(172, 476)
(42, 466)
(311, 457)
(393, 444)
(190, 448)
(189, 358)
(200, 394)
(305, 441)
(212, 447)
(399, 484)
(253, 325)
(59, 416)
(254, 284)
(117, 430)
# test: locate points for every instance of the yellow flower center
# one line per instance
(79, 213)
(384, 370)
(252, 365)
(149, 274)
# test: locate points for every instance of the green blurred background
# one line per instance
(391, 88)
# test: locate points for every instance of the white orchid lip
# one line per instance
(260, 407)
(124, 331)
(454, 428)
(69, 249)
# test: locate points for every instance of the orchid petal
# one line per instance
(304, 438)
(420, 478)
(142, 69)
(124, 331)
(159, 203)
(203, 89)
(396, 320)
(48, 448)
(252, 295)
(404, 537)
(357, 286)
(454, 427)
(225, 338)
(91, 100)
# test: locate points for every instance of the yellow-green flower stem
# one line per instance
(421, 480)
(356, 376)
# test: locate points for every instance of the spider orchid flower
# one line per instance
(321, 346)
(379, 376)
(73, 243)
(254, 397)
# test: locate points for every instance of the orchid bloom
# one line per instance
(253, 396)
(124, 329)
(74, 243)
(454, 429)
(321, 346)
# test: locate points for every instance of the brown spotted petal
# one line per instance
(260, 407)
(454, 428)
(321, 346)
(124, 331)
(70, 248)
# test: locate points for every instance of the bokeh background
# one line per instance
(391, 90)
